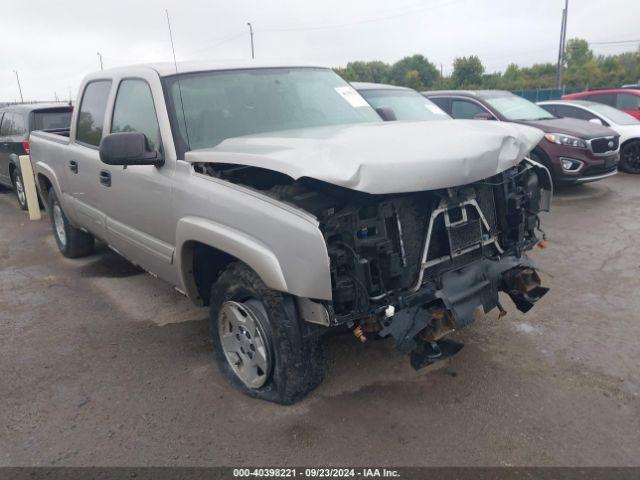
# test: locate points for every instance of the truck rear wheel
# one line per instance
(72, 241)
(259, 342)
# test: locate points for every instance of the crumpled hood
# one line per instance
(385, 157)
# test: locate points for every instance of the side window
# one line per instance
(606, 98)
(573, 112)
(465, 109)
(134, 111)
(552, 109)
(442, 102)
(19, 127)
(91, 113)
(626, 101)
(7, 125)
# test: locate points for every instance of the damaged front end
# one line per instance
(415, 266)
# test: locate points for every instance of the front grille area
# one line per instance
(604, 144)
(445, 241)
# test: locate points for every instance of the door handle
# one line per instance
(73, 166)
(105, 178)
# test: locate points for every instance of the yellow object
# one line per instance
(30, 191)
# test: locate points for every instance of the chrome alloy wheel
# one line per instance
(20, 190)
(58, 222)
(245, 344)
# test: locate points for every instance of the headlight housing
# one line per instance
(568, 140)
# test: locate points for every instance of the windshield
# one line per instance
(513, 107)
(616, 116)
(212, 106)
(406, 104)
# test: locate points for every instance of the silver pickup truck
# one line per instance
(275, 195)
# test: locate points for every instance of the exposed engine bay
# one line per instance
(415, 266)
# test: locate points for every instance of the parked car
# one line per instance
(574, 151)
(625, 125)
(625, 99)
(15, 124)
(276, 195)
(399, 103)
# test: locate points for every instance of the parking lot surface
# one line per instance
(101, 364)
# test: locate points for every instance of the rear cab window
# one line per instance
(92, 112)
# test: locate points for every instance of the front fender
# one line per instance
(276, 272)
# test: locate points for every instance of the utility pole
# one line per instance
(19, 87)
(563, 36)
(441, 74)
(100, 57)
(251, 33)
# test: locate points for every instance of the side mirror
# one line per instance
(128, 148)
(483, 116)
(386, 113)
(597, 121)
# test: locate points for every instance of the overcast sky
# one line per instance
(53, 44)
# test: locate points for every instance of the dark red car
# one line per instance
(573, 150)
(625, 99)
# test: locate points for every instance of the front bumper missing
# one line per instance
(460, 293)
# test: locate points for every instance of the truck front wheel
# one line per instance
(72, 242)
(259, 342)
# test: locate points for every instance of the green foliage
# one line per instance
(467, 72)
(582, 69)
(402, 72)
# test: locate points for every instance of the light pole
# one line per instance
(251, 33)
(19, 87)
(101, 65)
(563, 36)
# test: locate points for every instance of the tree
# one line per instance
(577, 52)
(582, 69)
(376, 72)
(427, 72)
(412, 80)
(467, 72)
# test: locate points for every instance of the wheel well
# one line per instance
(205, 264)
(630, 140)
(45, 184)
(12, 168)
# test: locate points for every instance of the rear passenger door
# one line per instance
(83, 161)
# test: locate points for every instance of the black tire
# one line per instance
(18, 188)
(75, 243)
(630, 157)
(297, 365)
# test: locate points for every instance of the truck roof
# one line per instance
(165, 69)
